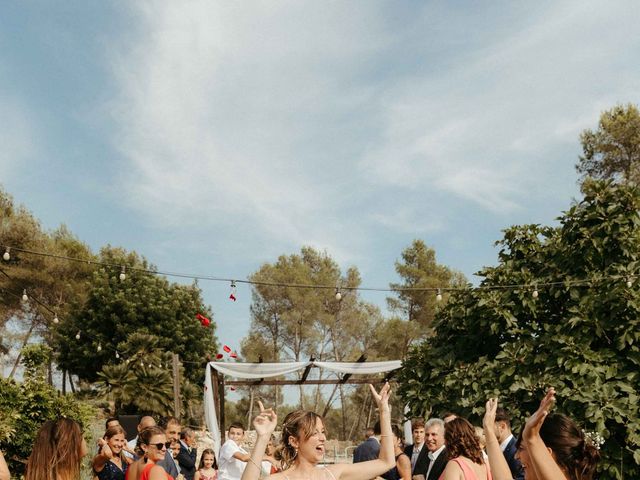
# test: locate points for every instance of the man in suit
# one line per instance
(187, 454)
(508, 443)
(416, 452)
(172, 429)
(370, 448)
(434, 441)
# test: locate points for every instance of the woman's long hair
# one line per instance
(461, 440)
(112, 432)
(144, 437)
(57, 451)
(573, 452)
(299, 424)
(208, 451)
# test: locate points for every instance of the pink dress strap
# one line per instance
(467, 472)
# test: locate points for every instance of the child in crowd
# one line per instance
(233, 458)
(208, 468)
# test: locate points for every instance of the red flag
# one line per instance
(219, 356)
(232, 297)
(226, 348)
(234, 355)
(233, 389)
(204, 321)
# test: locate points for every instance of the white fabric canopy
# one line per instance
(265, 370)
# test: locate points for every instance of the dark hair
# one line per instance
(376, 428)
(503, 416)
(573, 452)
(417, 423)
(397, 431)
(299, 424)
(187, 432)
(144, 437)
(109, 420)
(236, 425)
(208, 451)
(57, 451)
(164, 421)
(460, 438)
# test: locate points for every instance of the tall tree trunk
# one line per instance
(250, 417)
(343, 407)
(24, 344)
(64, 382)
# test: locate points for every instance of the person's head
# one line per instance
(576, 455)
(153, 443)
(188, 437)
(271, 446)
(303, 436)
(434, 434)
(146, 422)
(417, 431)
(397, 437)
(175, 449)
(111, 422)
(502, 425)
(461, 440)
(115, 438)
(57, 451)
(448, 416)
(172, 428)
(208, 460)
(368, 433)
(236, 432)
(481, 438)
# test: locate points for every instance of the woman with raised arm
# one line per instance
(303, 446)
(551, 447)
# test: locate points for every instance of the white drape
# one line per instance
(258, 370)
(210, 417)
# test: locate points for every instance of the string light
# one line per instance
(6, 256)
(118, 355)
(123, 275)
(78, 335)
(56, 320)
(629, 282)
(439, 296)
(25, 297)
(338, 294)
(534, 294)
(99, 349)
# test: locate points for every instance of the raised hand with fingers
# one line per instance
(382, 397)
(490, 414)
(535, 421)
(266, 421)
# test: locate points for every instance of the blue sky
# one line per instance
(213, 136)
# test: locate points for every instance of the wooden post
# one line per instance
(176, 386)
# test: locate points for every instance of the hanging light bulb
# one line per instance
(56, 320)
(25, 297)
(99, 349)
(439, 296)
(629, 282)
(232, 295)
(338, 294)
(78, 335)
(534, 294)
(141, 363)
(123, 275)
(117, 355)
(6, 256)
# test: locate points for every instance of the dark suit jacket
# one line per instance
(422, 463)
(168, 464)
(438, 465)
(367, 450)
(187, 462)
(517, 472)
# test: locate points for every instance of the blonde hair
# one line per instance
(57, 451)
(299, 424)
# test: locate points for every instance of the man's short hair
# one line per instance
(434, 421)
(449, 415)
(417, 423)
(109, 420)
(503, 416)
(165, 421)
(237, 425)
(187, 432)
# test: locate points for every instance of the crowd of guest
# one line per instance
(550, 447)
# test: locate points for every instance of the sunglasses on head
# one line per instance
(160, 445)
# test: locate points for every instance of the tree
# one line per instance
(419, 270)
(613, 150)
(143, 303)
(579, 334)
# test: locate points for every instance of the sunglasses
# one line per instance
(160, 445)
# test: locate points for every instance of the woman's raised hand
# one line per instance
(266, 421)
(382, 397)
(489, 418)
(535, 421)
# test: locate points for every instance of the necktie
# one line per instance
(414, 458)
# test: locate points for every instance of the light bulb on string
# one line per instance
(25, 297)
(56, 320)
(117, 355)
(534, 294)
(439, 296)
(78, 335)
(629, 282)
(141, 363)
(99, 349)
(338, 294)
(6, 256)
(123, 275)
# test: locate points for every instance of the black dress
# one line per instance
(111, 471)
(392, 474)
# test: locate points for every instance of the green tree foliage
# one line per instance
(143, 303)
(613, 150)
(24, 407)
(581, 334)
(420, 270)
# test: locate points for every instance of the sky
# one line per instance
(213, 136)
